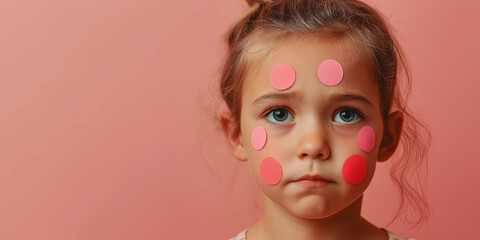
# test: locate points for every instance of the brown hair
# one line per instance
(358, 24)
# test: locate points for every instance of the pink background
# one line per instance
(105, 132)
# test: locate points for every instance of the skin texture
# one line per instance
(312, 141)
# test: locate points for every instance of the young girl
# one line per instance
(314, 104)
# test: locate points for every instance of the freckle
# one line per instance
(330, 72)
(258, 137)
(366, 138)
(271, 171)
(354, 169)
(282, 76)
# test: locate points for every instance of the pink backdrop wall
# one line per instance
(104, 131)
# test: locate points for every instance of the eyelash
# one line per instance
(270, 110)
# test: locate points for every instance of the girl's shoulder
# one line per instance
(240, 236)
(391, 236)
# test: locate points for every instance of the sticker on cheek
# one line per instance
(270, 170)
(258, 137)
(354, 169)
(282, 76)
(330, 72)
(366, 138)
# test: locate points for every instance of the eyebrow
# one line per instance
(275, 96)
(351, 97)
(292, 95)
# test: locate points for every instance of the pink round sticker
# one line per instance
(330, 72)
(282, 76)
(354, 169)
(270, 170)
(366, 138)
(258, 137)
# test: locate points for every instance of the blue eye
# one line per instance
(279, 115)
(347, 115)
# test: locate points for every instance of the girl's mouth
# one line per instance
(311, 182)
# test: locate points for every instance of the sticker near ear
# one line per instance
(330, 72)
(354, 169)
(366, 138)
(282, 76)
(270, 170)
(258, 137)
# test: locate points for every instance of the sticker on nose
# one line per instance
(354, 169)
(330, 72)
(282, 76)
(270, 170)
(366, 138)
(258, 137)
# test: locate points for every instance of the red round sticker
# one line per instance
(270, 170)
(354, 169)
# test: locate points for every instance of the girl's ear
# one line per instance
(232, 136)
(391, 136)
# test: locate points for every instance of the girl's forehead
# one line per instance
(304, 55)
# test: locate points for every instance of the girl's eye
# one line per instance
(348, 116)
(279, 115)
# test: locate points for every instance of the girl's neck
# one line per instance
(346, 224)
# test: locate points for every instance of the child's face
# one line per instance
(313, 131)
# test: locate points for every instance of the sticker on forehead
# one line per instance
(366, 138)
(354, 169)
(282, 76)
(270, 170)
(330, 72)
(258, 137)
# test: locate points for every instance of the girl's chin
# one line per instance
(314, 215)
(312, 212)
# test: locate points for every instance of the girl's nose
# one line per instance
(313, 142)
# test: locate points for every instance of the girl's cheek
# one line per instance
(270, 168)
(354, 167)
